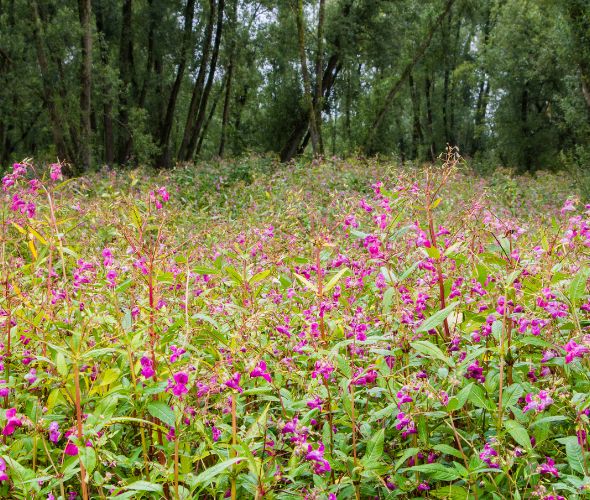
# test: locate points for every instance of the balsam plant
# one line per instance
(409, 337)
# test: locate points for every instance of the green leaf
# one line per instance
(259, 276)
(374, 449)
(511, 395)
(577, 288)
(438, 472)
(60, 363)
(518, 433)
(457, 402)
(408, 453)
(332, 283)
(478, 398)
(306, 282)
(430, 350)
(109, 376)
(574, 453)
(163, 412)
(450, 492)
(447, 450)
(387, 298)
(144, 486)
(437, 318)
(205, 477)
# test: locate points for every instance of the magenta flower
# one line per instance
(55, 172)
(54, 433)
(71, 449)
(177, 352)
(315, 403)
(179, 386)
(490, 456)
(574, 350)
(234, 382)
(12, 422)
(320, 464)
(537, 403)
(475, 372)
(323, 368)
(3, 475)
(260, 371)
(147, 367)
(548, 467)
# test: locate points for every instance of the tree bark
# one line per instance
(166, 127)
(307, 95)
(319, 105)
(207, 90)
(107, 113)
(427, 91)
(84, 10)
(417, 136)
(418, 55)
(126, 72)
(228, 79)
(199, 83)
(63, 151)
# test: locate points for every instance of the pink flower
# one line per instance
(147, 367)
(71, 449)
(574, 350)
(12, 422)
(54, 433)
(3, 475)
(548, 467)
(260, 371)
(234, 382)
(55, 171)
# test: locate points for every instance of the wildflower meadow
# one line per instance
(340, 329)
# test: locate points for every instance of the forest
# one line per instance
(154, 82)
(294, 249)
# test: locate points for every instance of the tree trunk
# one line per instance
(207, 90)
(63, 151)
(209, 118)
(107, 113)
(199, 83)
(318, 97)
(417, 136)
(166, 127)
(126, 71)
(307, 95)
(84, 10)
(418, 54)
(228, 79)
(292, 145)
(427, 92)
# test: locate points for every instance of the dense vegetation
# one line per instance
(236, 330)
(98, 82)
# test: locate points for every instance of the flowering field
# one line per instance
(327, 331)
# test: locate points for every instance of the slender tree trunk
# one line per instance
(199, 83)
(417, 136)
(84, 10)
(126, 71)
(107, 113)
(228, 79)
(63, 152)
(524, 118)
(418, 54)
(166, 127)
(207, 90)
(307, 95)
(318, 97)
(429, 120)
(209, 118)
